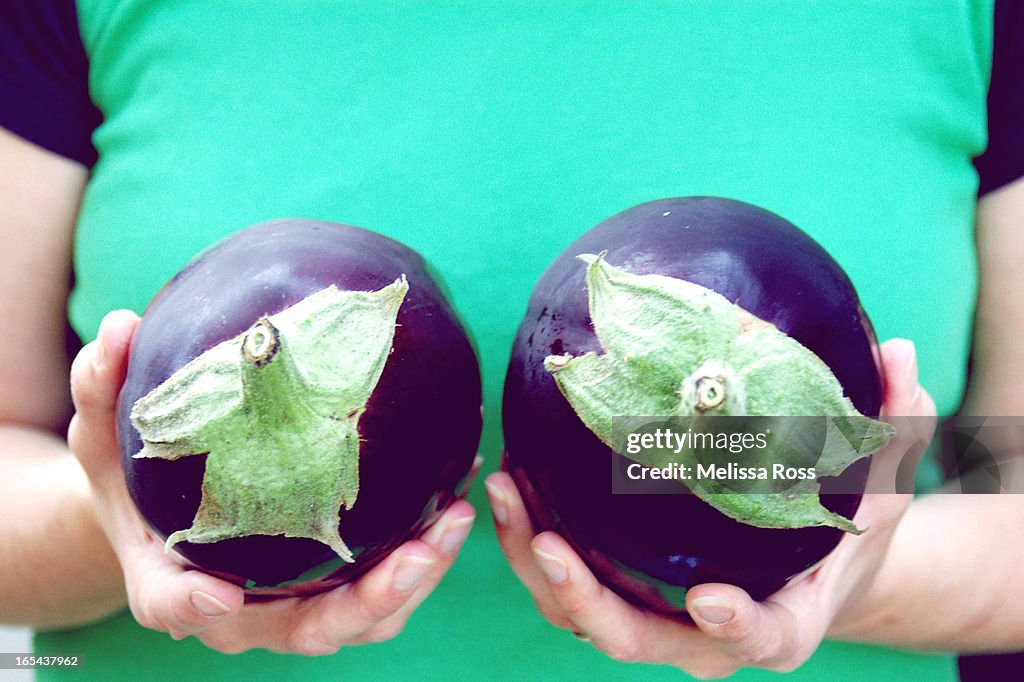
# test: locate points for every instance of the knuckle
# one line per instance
(142, 618)
(384, 631)
(626, 650)
(177, 634)
(734, 634)
(553, 615)
(786, 666)
(81, 363)
(141, 610)
(377, 608)
(711, 672)
(230, 646)
(82, 378)
(759, 651)
(575, 608)
(75, 433)
(310, 641)
(81, 443)
(745, 631)
(91, 446)
(754, 656)
(377, 599)
(577, 604)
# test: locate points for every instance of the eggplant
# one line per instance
(652, 547)
(300, 400)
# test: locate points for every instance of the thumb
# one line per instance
(751, 632)
(911, 411)
(97, 374)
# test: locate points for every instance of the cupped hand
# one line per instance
(730, 630)
(163, 594)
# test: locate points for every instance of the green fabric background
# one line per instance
(488, 135)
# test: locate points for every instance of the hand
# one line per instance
(732, 631)
(167, 596)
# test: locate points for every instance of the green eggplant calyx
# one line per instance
(676, 350)
(276, 410)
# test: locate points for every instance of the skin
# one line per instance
(70, 523)
(890, 586)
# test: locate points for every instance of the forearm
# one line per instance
(950, 581)
(56, 566)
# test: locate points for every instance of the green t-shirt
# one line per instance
(487, 136)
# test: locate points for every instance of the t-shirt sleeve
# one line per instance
(1003, 160)
(44, 78)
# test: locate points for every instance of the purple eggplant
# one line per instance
(652, 547)
(318, 368)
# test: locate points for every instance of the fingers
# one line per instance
(323, 624)
(97, 374)
(904, 396)
(377, 605)
(571, 598)
(740, 631)
(911, 411)
(462, 489)
(96, 377)
(764, 634)
(446, 537)
(732, 630)
(617, 628)
(374, 608)
(515, 534)
(166, 597)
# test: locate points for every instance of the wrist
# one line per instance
(56, 566)
(871, 601)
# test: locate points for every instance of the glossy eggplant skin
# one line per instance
(419, 432)
(650, 548)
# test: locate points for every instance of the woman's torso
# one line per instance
(488, 135)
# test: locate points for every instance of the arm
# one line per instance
(58, 544)
(951, 579)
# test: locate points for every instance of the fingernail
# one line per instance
(208, 605)
(111, 321)
(99, 358)
(409, 572)
(910, 370)
(499, 503)
(556, 570)
(714, 610)
(467, 481)
(455, 534)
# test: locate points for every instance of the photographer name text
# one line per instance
(734, 443)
